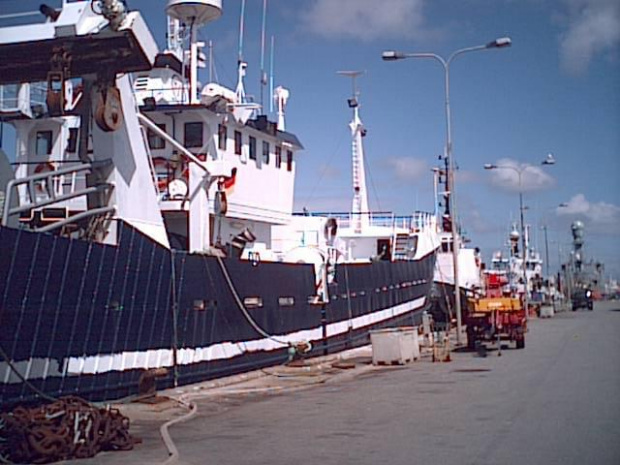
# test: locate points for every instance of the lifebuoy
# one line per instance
(168, 182)
(46, 167)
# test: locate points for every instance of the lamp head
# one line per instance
(550, 160)
(500, 43)
(490, 166)
(392, 55)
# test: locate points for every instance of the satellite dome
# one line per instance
(194, 11)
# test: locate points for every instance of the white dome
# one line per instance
(194, 11)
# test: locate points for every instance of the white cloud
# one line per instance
(473, 221)
(531, 178)
(600, 214)
(466, 177)
(593, 27)
(407, 168)
(365, 19)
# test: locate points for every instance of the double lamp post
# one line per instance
(550, 160)
(392, 55)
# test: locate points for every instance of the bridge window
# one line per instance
(155, 141)
(44, 143)
(238, 142)
(265, 152)
(289, 160)
(193, 135)
(278, 156)
(252, 148)
(72, 141)
(222, 135)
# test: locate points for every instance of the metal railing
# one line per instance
(419, 220)
(40, 191)
(10, 97)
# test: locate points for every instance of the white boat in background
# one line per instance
(511, 263)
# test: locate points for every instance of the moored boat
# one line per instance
(138, 234)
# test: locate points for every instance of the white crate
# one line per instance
(395, 346)
(546, 311)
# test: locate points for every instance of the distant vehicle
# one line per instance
(582, 298)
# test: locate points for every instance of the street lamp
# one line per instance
(549, 160)
(392, 55)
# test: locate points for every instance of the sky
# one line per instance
(555, 90)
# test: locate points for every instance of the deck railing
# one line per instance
(419, 220)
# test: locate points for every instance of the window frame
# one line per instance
(238, 142)
(289, 160)
(266, 151)
(193, 143)
(151, 138)
(73, 140)
(46, 136)
(252, 148)
(278, 155)
(222, 136)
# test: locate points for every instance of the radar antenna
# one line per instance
(359, 210)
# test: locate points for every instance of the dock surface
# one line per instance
(555, 402)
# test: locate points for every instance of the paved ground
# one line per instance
(556, 402)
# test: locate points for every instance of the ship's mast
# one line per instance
(359, 208)
(241, 64)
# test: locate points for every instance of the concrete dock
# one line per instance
(555, 402)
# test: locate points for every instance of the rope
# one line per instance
(245, 312)
(165, 435)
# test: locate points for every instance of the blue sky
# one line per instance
(555, 90)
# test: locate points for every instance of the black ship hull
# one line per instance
(83, 318)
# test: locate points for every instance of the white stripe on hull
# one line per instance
(157, 358)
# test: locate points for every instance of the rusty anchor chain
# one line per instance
(65, 429)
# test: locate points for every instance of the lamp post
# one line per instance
(544, 228)
(392, 55)
(550, 160)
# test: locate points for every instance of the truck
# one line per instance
(496, 317)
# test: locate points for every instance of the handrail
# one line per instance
(53, 198)
(161, 133)
(77, 217)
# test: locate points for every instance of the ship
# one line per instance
(510, 267)
(148, 225)
(469, 266)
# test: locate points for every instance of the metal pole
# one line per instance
(451, 200)
(393, 55)
(546, 251)
(523, 251)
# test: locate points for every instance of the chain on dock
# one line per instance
(66, 429)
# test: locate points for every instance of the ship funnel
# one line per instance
(194, 12)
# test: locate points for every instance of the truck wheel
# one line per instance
(520, 343)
